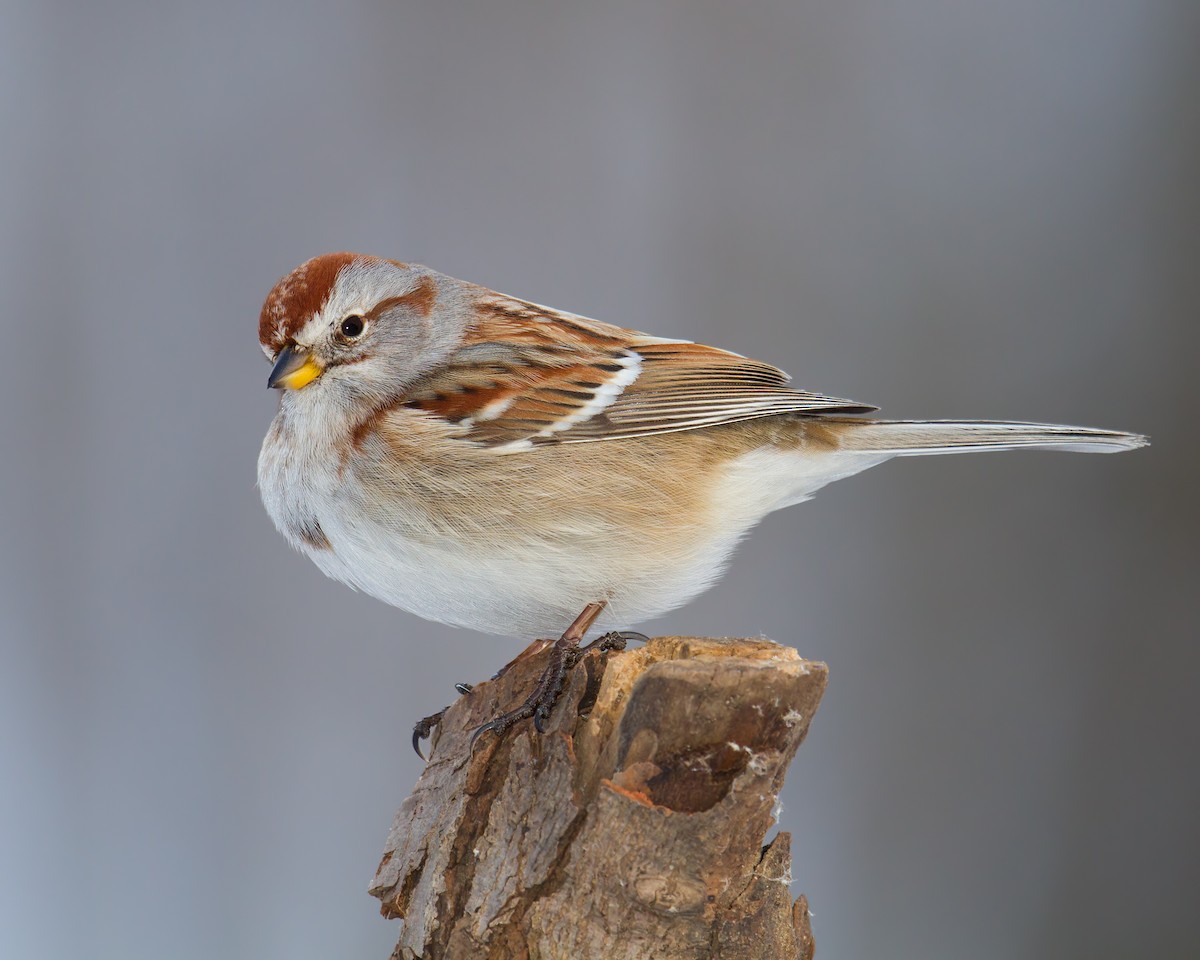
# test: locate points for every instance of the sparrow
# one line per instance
(484, 461)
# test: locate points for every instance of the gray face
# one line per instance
(373, 326)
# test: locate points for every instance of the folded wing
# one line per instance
(531, 375)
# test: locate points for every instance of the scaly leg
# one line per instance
(564, 655)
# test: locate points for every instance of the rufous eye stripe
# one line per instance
(421, 299)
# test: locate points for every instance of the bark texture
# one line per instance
(633, 828)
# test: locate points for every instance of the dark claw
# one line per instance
(616, 640)
(497, 726)
(423, 728)
(540, 716)
(426, 726)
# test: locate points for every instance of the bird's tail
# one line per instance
(918, 437)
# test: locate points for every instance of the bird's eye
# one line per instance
(352, 327)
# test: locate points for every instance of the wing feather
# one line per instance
(529, 375)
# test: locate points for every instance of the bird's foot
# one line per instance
(539, 704)
(423, 728)
(564, 655)
(617, 640)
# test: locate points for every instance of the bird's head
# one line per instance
(358, 325)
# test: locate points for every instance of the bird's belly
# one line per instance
(505, 583)
(520, 547)
(515, 592)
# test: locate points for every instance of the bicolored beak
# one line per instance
(294, 368)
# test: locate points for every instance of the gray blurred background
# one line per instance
(953, 210)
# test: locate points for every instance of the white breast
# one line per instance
(514, 589)
(522, 586)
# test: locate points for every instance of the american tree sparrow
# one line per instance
(483, 461)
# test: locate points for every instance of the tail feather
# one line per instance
(919, 437)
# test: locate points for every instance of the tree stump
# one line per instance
(633, 828)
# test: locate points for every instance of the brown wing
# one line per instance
(529, 375)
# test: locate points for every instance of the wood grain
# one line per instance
(633, 828)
